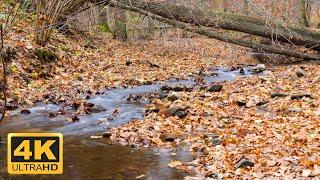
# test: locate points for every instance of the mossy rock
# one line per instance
(45, 55)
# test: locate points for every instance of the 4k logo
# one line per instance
(35, 153)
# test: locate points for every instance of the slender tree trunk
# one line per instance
(304, 12)
(246, 7)
(117, 23)
(148, 27)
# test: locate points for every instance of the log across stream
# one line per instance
(87, 158)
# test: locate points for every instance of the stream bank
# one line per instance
(109, 160)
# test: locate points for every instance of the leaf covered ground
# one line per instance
(270, 120)
(262, 126)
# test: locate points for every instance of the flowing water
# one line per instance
(86, 158)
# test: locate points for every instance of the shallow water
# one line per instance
(86, 158)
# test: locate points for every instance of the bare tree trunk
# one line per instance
(117, 23)
(304, 12)
(148, 27)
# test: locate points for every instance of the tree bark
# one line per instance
(229, 21)
(304, 12)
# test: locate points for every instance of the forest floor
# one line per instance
(258, 126)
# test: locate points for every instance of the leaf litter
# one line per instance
(254, 127)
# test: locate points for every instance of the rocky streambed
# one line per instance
(89, 155)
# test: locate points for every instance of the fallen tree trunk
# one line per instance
(216, 35)
(229, 21)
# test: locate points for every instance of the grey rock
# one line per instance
(295, 109)
(176, 111)
(215, 88)
(277, 94)
(171, 111)
(259, 68)
(181, 114)
(98, 109)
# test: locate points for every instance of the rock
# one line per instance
(215, 88)
(163, 95)
(173, 96)
(300, 72)
(12, 106)
(25, 111)
(97, 109)
(167, 137)
(181, 114)
(73, 119)
(176, 111)
(176, 87)
(243, 162)
(300, 96)
(52, 115)
(277, 94)
(106, 134)
(171, 111)
(259, 68)
(295, 109)
(242, 71)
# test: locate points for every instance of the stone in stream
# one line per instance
(106, 134)
(258, 68)
(25, 111)
(97, 109)
(242, 71)
(73, 119)
(12, 106)
(243, 162)
(176, 87)
(215, 88)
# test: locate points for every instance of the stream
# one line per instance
(87, 158)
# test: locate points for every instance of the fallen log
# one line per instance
(216, 35)
(229, 21)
